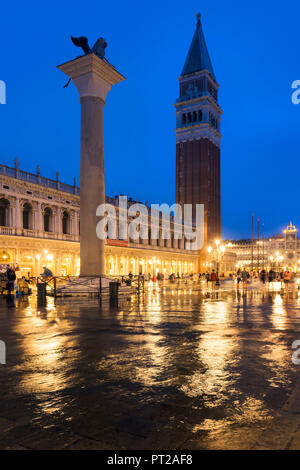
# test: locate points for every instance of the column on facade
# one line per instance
(57, 263)
(75, 224)
(33, 221)
(18, 216)
(18, 256)
(11, 212)
(161, 239)
(56, 223)
(37, 265)
(169, 242)
(38, 219)
(181, 243)
(175, 243)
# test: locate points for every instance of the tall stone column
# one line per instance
(93, 78)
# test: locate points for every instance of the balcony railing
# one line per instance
(7, 230)
(37, 234)
(38, 179)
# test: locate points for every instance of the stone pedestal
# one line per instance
(93, 78)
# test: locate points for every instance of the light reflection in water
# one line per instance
(279, 315)
(189, 340)
(44, 364)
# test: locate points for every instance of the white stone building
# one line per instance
(40, 226)
(278, 252)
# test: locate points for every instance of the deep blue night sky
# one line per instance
(255, 50)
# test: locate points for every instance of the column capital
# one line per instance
(91, 75)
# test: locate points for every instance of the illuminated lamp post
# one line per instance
(217, 254)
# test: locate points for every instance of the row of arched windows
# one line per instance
(193, 116)
(27, 217)
(48, 221)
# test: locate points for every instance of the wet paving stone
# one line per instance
(181, 369)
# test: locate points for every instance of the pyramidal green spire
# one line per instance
(198, 57)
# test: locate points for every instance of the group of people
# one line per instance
(285, 277)
(9, 282)
(244, 277)
(161, 276)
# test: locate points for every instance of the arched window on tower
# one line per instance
(4, 212)
(189, 117)
(47, 219)
(65, 222)
(27, 216)
(183, 118)
(194, 116)
(199, 115)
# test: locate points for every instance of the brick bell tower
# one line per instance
(198, 137)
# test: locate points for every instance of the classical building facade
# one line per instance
(40, 226)
(278, 252)
(198, 120)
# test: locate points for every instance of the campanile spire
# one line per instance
(198, 137)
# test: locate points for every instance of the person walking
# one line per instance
(238, 278)
(245, 276)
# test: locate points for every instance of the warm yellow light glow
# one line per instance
(49, 257)
(45, 251)
(217, 242)
(38, 256)
(223, 248)
(209, 249)
(28, 257)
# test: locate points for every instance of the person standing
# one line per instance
(287, 276)
(271, 277)
(263, 276)
(281, 279)
(11, 277)
(213, 278)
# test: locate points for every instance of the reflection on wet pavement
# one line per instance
(182, 369)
